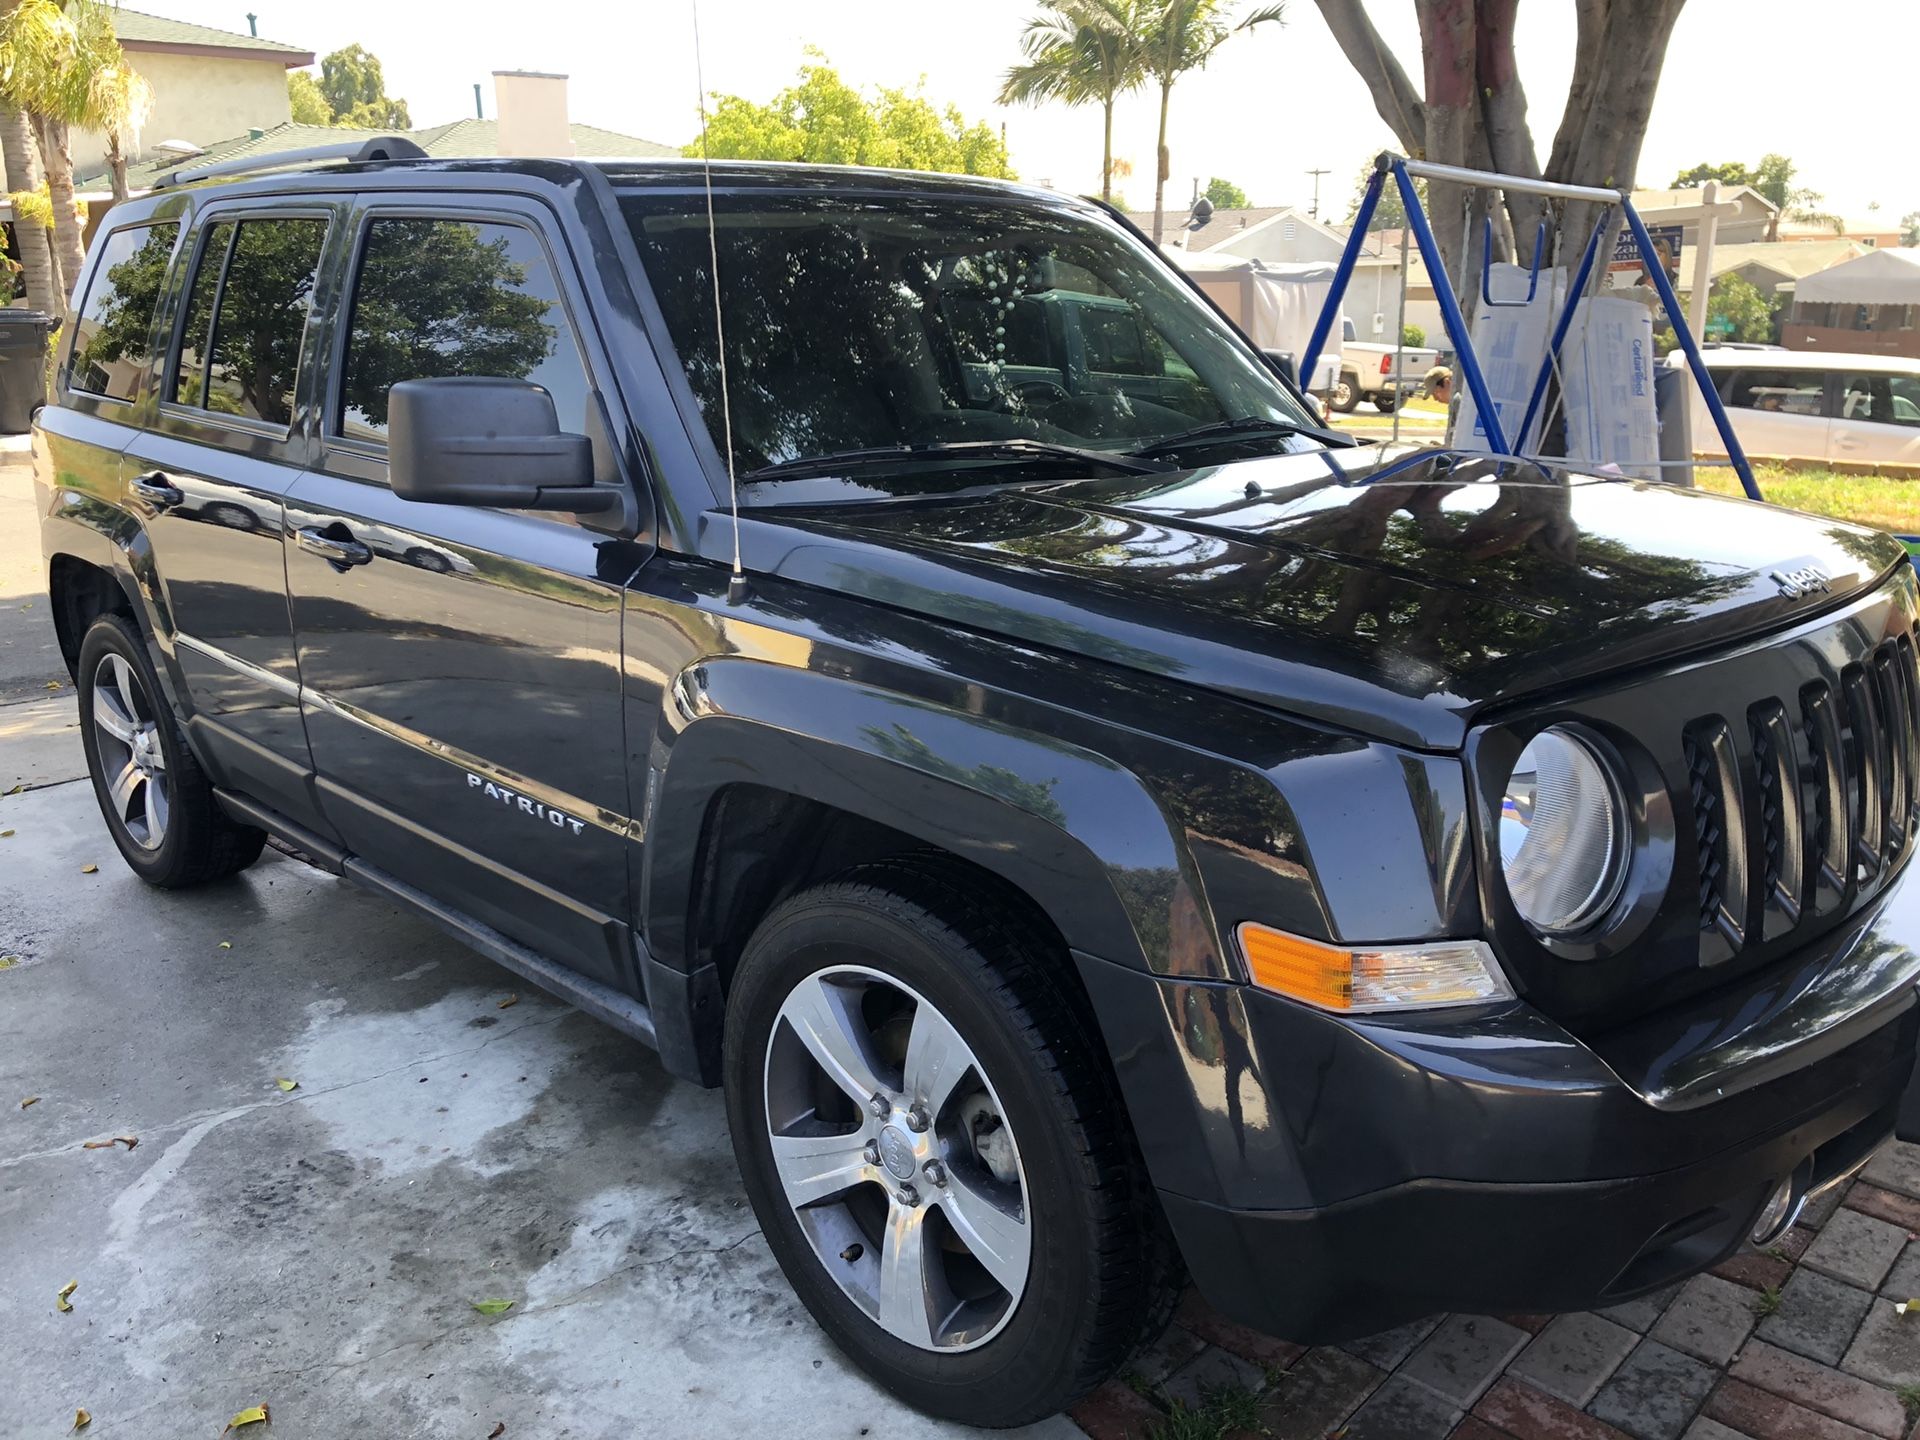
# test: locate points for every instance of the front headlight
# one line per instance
(1563, 833)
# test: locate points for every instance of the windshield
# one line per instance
(859, 322)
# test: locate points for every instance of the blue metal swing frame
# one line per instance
(1403, 172)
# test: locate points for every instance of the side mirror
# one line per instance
(1283, 361)
(485, 440)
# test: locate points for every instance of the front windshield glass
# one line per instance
(856, 322)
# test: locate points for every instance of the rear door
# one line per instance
(208, 477)
(461, 665)
(1876, 417)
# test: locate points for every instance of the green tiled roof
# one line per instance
(461, 140)
(136, 30)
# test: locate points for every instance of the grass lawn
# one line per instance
(1884, 504)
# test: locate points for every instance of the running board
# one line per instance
(603, 1002)
(606, 1004)
(297, 840)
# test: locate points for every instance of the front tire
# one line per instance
(158, 804)
(1345, 393)
(934, 1146)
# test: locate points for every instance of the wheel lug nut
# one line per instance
(917, 1119)
(907, 1196)
(879, 1108)
(935, 1172)
(871, 1154)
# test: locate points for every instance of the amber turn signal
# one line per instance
(1372, 978)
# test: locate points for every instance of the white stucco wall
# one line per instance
(200, 98)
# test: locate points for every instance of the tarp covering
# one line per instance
(1880, 277)
(1274, 302)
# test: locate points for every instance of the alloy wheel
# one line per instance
(133, 763)
(897, 1158)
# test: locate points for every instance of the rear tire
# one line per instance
(1387, 401)
(157, 802)
(905, 951)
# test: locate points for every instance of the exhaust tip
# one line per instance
(1783, 1207)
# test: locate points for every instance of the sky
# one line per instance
(1743, 77)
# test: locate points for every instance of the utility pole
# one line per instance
(1316, 174)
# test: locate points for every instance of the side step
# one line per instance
(603, 1002)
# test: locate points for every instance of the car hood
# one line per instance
(1395, 592)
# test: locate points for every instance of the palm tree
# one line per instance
(23, 177)
(120, 103)
(53, 57)
(1181, 35)
(1079, 51)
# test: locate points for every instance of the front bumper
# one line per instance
(1330, 1177)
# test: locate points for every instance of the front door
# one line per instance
(209, 476)
(460, 665)
(1876, 417)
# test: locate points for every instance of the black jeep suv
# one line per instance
(1090, 819)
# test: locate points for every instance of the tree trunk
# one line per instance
(34, 241)
(68, 247)
(117, 168)
(1161, 165)
(1106, 150)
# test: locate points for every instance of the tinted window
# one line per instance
(190, 372)
(904, 320)
(113, 337)
(1881, 398)
(1785, 392)
(261, 316)
(437, 298)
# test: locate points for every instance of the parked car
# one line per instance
(1368, 371)
(1810, 405)
(1094, 823)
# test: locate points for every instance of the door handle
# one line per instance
(159, 492)
(336, 552)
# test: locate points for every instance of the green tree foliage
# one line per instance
(1412, 336)
(1737, 302)
(438, 301)
(824, 120)
(1773, 177)
(354, 91)
(1225, 195)
(1910, 228)
(304, 99)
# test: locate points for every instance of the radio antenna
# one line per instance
(737, 581)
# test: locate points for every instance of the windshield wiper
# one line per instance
(1248, 425)
(881, 456)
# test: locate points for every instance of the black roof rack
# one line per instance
(352, 152)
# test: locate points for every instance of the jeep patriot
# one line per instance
(1102, 827)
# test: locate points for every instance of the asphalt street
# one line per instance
(452, 1138)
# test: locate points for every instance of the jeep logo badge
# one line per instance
(1802, 580)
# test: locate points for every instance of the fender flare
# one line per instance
(1076, 832)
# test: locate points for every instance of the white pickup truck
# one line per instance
(1367, 372)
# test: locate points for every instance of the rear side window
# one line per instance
(1784, 392)
(240, 348)
(113, 338)
(440, 298)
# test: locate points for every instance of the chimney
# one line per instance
(532, 113)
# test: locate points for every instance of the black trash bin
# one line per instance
(23, 367)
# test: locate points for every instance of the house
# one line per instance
(207, 83)
(1874, 231)
(532, 121)
(1272, 233)
(1869, 305)
(1753, 216)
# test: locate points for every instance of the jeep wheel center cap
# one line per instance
(896, 1152)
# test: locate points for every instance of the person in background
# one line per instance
(1440, 384)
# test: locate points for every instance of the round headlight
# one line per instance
(1563, 833)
